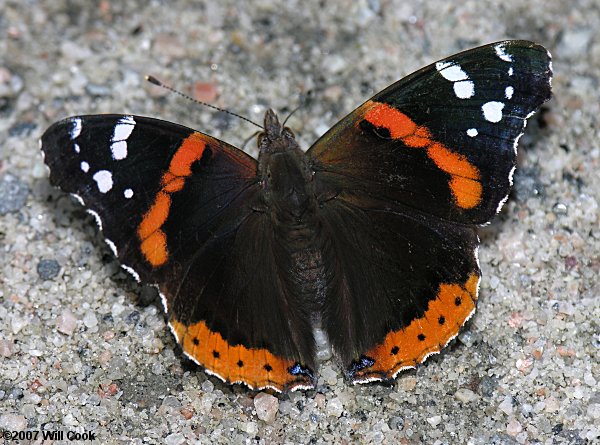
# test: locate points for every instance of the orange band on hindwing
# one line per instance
(256, 367)
(153, 239)
(464, 182)
(407, 347)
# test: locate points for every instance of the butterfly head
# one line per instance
(282, 168)
(276, 137)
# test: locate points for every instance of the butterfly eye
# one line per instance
(260, 139)
(289, 133)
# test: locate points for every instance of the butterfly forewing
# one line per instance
(442, 140)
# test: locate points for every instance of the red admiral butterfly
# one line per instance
(370, 234)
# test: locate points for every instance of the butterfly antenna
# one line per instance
(291, 114)
(153, 80)
(252, 136)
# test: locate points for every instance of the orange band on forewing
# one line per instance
(452, 163)
(258, 368)
(397, 123)
(445, 314)
(189, 152)
(464, 183)
(466, 191)
(154, 240)
(174, 185)
(156, 216)
(155, 248)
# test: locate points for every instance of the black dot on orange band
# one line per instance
(216, 354)
(421, 337)
(196, 341)
(268, 368)
(395, 350)
(458, 301)
(240, 363)
(442, 319)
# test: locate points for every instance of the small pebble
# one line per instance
(334, 408)
(593, 411)
(407, 383)
(396, 423)
(175, 439)
(48, 269)
(207, 386)
(90, 320)
(205, 92)
(187, 413)
(171, 401)
(328, 375)
(13, 194)
(18, 323)
(506, 405)
(552, 405)
(266, 406)
(66, 322)
(465, 395)
(22, 129)
(434, 421)
(13, 422)
(323, 346)
(5, 348)
(514, 427)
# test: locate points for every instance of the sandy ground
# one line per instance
(84, 349)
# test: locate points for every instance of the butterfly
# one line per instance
(369, 235)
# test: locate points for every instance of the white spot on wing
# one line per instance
(112, 246)
(85, 167)
(464, 89)
(510, 180)
(501, 204)
(76, 128)
(472, 132)
(516, 142)
(123, 129)
(451, 71)
(133, 273)
(511, 175)
(510, 71)
(104, 180)
(119, 150)
(492, 111)
(78, 198)
(128, 193)
(501, 52)
(76, 148)
(508, 92)
(163, 300)
(96, 217)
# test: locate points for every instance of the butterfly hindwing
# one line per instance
(410, 173)
(176, 207)
(404, 284)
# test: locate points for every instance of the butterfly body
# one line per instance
(369, 235)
